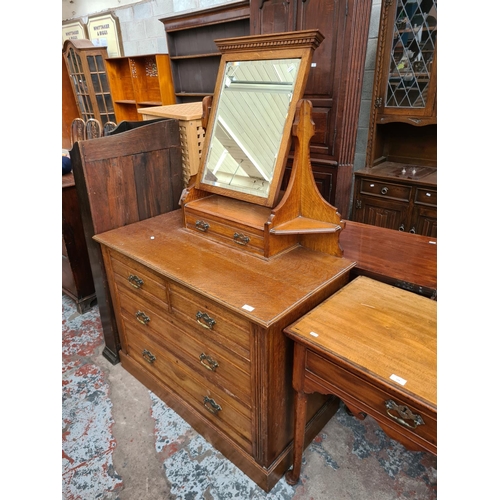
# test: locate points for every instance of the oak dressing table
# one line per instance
(202, 294)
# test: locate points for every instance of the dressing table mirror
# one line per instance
(256, 110)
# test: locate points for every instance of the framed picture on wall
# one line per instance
(104, 31)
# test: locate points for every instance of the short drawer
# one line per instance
(223, 411)
(217, 363)
(426, 197)
(347, 385)
(241, 237)
(385, 190)
(208, 318)
(137, 278)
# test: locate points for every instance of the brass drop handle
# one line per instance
(148, 356)
(202, 226)
(412, 230)
(142, 317)
(205, 320)
(241, 239)
(384, 190)
(401, 227)
(211, 405)
(208, 362)
(135, 281)
(403, 414)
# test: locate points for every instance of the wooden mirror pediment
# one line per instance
(247, 141)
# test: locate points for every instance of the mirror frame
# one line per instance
(289, 45)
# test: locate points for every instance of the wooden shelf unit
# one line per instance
(193, 54)
(139, 82)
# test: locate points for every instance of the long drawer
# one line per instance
(211, 320)
(236, 235)
(223, 411)
(142, 281)
(345, 385)
(218, 364)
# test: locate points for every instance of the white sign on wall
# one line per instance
(104, 31)
(73, 31)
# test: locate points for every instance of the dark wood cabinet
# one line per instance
(334, 84)
(77, 279)
(409, 205)
(402, 139)
(194, 57)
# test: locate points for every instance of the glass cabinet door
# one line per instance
(89, 79)
(410, 58)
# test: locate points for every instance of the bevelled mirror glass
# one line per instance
(260, 80)
(256, 93)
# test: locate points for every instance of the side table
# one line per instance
(374, 346)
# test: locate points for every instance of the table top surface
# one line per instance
(378, 329)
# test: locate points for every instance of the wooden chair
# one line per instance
(77, 132)
(108, 128)
(93, 129)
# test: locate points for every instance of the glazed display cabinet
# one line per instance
(89, 80)
(398, 187)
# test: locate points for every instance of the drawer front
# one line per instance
(241, 237)
(426, 197)
(223, 411)
(211, 320)
(216, 363)
(346, 383)
(385, 190)
(131, 275)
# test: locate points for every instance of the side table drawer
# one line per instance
(385, 190)
(346, 385)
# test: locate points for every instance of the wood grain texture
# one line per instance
(122, 179)
(381, 329)
(408, 260)
(251, 301)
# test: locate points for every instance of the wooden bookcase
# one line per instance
(194, 56)
(139, 82)
(397, 189)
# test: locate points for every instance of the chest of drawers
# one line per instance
(201, 325)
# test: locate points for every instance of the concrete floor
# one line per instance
(120, 442)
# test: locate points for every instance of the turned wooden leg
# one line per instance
(292, 476)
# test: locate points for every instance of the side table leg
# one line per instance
(292, 476)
